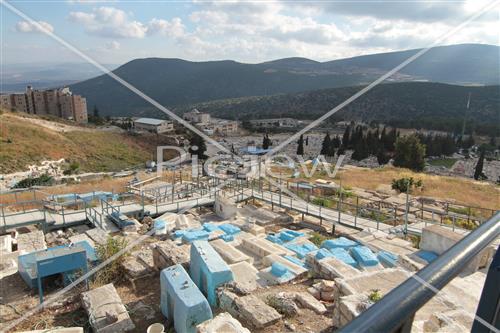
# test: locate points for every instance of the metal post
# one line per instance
(357, 212)
(64, 219)
(407, 207)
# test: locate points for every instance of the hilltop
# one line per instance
(176, 82)
(28, 140)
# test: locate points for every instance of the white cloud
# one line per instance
(109, 22)
(38, 27)
(174, 28)
(113, 45)
(115, 23)
(253, 32)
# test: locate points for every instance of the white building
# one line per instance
(153, 125)
(221, 127)
(275, 122)
(197, 117)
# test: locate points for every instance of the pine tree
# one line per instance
(478, 172)
(325, 145)
(409, 153)
(300, 147)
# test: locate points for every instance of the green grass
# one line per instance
(446, 162)
(23, 143)
(317, 238)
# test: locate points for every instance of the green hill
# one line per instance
(176, 82)
(411, 104)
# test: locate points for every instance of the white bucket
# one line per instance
(156, 328)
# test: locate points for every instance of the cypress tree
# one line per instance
(300, 147)
(325, 145)
(345, 137)
(478, 172)
(198, 142)
(266, 142)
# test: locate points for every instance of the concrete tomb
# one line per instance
(181, 301)
(229, 253)
(340, 242)
(208, 270)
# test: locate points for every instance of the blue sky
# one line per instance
(114, 32)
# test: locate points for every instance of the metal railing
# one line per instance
(395, 311)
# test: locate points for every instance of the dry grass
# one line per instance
(23, 143)
(460, 190)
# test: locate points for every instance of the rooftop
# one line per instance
(150, 121)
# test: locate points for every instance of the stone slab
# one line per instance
(81, 237)
(262, 247)
(229, 253)
(99, 236)
(255, 312)
(31, 242)
(106, 310)
(308, 301)
(167, 253)
(245, 276)
(223, 323)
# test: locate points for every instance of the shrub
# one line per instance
(113, 270)
(375, 295)
(322, 202)
(317, 238)
(43, 180)
(402, 184)
(415, 240)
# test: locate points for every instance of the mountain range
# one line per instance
(176, 83)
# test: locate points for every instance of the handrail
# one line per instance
(396, 310)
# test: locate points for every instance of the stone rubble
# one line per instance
(106, 311)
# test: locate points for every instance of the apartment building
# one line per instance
(56, 102)
(221, 127)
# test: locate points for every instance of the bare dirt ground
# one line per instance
(63, 127)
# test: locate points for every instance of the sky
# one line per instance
(114, 32)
